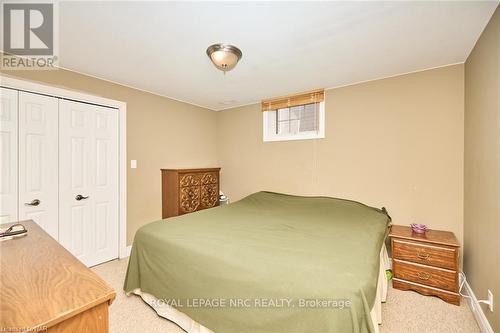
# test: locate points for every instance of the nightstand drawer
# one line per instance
(435, 277)
(433, 255)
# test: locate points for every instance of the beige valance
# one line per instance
(315, 96)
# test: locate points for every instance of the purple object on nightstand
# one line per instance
(418, 228)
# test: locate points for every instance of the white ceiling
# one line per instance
(287, 46)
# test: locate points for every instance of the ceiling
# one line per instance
(287, 46)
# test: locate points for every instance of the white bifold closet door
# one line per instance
(8, 154)
(38, 160)
(88, 181)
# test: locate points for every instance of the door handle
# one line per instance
(35, 202)
(81, 197)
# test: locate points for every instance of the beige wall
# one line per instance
(161, 133)
(482, 167)
(396, 142)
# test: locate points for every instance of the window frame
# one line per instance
(273, 137)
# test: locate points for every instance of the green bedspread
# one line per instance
(267, 263)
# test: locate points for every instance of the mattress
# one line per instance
(319, 256)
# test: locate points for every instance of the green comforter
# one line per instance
(267, 263)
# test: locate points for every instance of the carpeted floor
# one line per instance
(404, 311)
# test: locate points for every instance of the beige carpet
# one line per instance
(404, 311)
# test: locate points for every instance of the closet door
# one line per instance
(88, 182)
(8, 156)
(38, 154)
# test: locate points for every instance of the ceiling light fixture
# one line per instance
(224, 56)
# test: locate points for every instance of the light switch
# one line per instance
(133, 164)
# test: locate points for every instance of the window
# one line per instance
(297, 117)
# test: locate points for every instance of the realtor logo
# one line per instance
(29, 32)
(28, 28)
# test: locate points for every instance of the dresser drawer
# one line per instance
(210, 178)
(209, 195)
(438, 256)
(189, 199)
(189, 179)
(435, 277)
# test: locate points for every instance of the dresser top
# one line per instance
(430, 236)
(192, 170)
(42, 284)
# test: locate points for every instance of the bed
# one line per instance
(269, 263)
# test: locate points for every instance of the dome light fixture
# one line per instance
(224, 56)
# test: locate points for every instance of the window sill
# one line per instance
(294, 137)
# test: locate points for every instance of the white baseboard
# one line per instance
(125, 252)
(476, 309)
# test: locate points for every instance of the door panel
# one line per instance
(8, 155)
(106, 185)
(89, 167)
(38, 155)
(79, 218)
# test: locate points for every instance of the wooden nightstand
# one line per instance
(426, 263)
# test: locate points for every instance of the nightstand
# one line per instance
(426, 263)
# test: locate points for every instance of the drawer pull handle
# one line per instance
(423, 255)
(423, 276)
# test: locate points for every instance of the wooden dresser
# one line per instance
(426, 263)
(44, 288)
(188, 190)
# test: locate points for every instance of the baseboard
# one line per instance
(126, 252)
(476, 309)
